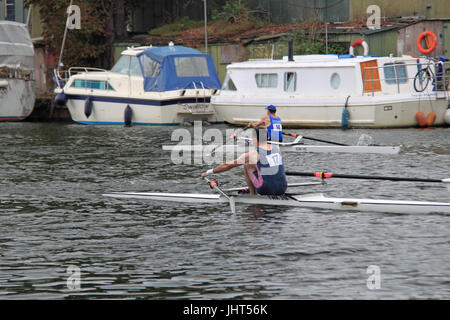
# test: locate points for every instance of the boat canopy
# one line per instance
(177, 67)
(16, 49)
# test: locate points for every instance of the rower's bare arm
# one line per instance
(246, 158)
(262, 123)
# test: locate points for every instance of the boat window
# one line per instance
(92, 84)
(266, 80)
(395, 73)
(191, 67)
(135, 68)
(335, 80)
(290, 81)
(150, 66)
(122, 66)
(228, 84)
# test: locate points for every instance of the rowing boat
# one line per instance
(312, 200)
(302, 148)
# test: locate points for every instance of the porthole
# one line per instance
(335, 81)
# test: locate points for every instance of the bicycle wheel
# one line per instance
(422, 79)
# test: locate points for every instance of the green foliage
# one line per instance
(85, 46)
(235, 17)
(174, 29)
(312, 44)
(234, 11)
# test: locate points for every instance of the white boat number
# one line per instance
(274, 159)
(277, 127)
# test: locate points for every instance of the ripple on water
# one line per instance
(53, 216)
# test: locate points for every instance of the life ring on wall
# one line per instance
(359, 42)
(431, 47)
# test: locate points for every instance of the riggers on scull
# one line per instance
(316, 200)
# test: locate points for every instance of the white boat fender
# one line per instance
(361, 43)
(61, 99)
(87, 107)
(447, 116)
(128, 115)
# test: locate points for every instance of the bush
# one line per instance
(313, 44)
(234, 11)
(174, 28)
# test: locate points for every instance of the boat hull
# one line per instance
(365, 112)
(17, 99)
(111, 111)
(318, 201)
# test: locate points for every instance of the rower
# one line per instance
(263, 167)
(272, 123)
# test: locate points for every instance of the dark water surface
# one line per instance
(53, 216)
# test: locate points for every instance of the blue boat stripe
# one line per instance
(139, 101)
(13, 117)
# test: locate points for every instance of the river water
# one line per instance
(54, 220)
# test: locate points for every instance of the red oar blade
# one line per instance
(323, 175)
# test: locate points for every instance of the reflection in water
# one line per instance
(53, 216)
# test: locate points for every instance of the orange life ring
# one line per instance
(431, 47)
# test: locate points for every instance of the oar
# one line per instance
(215, 186)
(315, 139)
(304, 137)
(326, 175)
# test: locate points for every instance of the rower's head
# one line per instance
(271, 109)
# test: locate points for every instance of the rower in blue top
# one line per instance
(272, 123)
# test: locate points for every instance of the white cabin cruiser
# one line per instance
(314, 91)
(17, 95)
(147, 86)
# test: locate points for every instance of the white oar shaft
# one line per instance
(214, 186)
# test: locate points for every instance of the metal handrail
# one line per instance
(84, 69)
(64, 75)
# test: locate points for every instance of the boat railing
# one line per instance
(194, 85)
(426, 73)
(75, 70)
(60, 77)
(204, 92)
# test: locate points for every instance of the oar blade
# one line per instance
(232, 205)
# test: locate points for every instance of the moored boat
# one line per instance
(147, 86)
(315, 91)
(17, 96)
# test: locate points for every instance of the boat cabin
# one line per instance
(324, 75)
(149, 69)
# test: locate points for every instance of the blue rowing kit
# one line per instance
(275, 129)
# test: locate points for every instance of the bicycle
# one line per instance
(426, 75)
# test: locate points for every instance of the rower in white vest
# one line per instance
(263, 167)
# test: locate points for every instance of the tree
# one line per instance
(102, 22)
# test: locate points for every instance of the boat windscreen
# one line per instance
(122, 65)
(127, 65)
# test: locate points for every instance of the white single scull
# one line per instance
(317, 200)
(239, 148)
(312, 200)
